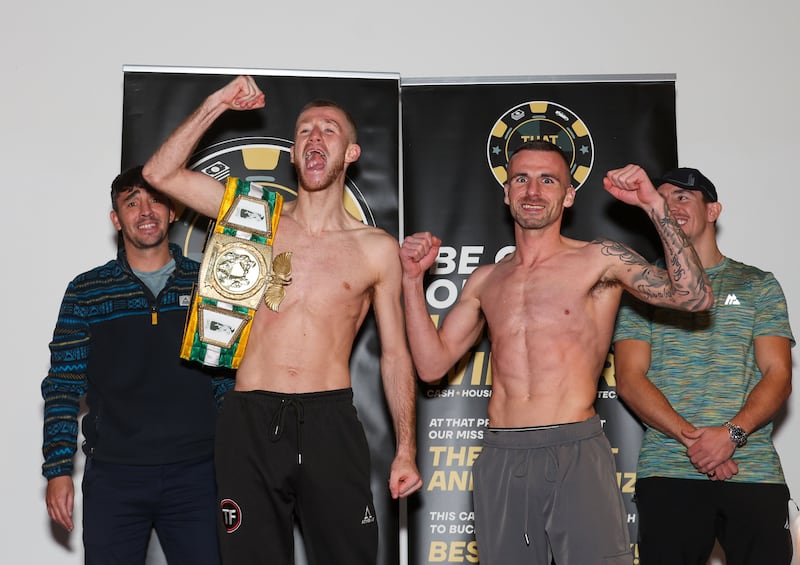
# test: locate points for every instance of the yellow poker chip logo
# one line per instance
(546, 121)
(264, 160)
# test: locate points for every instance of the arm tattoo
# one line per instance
(683, 284)
(675, 242)
(649, 282)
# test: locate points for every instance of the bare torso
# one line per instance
(306, 345)
(550, 325)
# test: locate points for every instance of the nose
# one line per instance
(533, 188)
(146, 207)
(316, 133)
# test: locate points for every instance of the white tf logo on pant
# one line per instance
(231, 515)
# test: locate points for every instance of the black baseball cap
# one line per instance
(690, 179)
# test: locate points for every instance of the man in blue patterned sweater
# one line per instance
(151, 416)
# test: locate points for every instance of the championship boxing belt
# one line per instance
(237, 271)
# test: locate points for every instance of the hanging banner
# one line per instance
(457, 137)
(255, 145)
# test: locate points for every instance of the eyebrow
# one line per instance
(323, 120)
(543, 174)
(132, 193)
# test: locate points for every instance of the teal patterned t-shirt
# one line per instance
(704, 363)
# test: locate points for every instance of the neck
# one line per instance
(537, 245)
(708, 251)
(318, 211)
(149, 259)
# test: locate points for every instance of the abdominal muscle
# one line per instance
(568, 399)
(299, 349)
(538, 379)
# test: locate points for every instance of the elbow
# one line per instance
(429, 371)
(708, 300)
(430, 363)
(628, 384)
(150, 175)
(704, 301)
(622, 387)
(153, 175)
(428, 375)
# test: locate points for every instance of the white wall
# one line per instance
(60, 127)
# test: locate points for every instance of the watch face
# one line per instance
(737, 433)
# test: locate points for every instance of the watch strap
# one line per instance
(737, 434)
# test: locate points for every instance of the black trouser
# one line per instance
(680, 518)
(282, 457)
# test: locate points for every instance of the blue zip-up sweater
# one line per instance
(118, 345)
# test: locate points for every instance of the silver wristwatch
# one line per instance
(738, 435)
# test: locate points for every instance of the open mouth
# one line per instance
(315, 159)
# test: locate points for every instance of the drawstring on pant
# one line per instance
(521, 472)
(276, 426)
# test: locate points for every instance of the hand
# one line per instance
(60, 498)
(712, 447)
(242, 93)
(404, 477)
(418, 253)
(724, 471)
(631, 185)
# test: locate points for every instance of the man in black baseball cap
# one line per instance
(709, 385)
(690, 179)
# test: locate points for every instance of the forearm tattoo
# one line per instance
(682, 284)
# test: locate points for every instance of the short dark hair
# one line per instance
(324, 103)
(125, 181)
(541, 145)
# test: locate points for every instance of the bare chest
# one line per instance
(550, 297)
(327, 270)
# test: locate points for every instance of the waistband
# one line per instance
(279, 403)
(543, 436)
(267, 396)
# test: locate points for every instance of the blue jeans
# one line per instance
(122, 504)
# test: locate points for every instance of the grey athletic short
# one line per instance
(549, 494)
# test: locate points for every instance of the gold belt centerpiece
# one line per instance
(236, 273)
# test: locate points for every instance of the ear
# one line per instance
(171, 214)
(713, 210)
(505, 193)
(115, 220)
(569, 198)
(352, 153)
